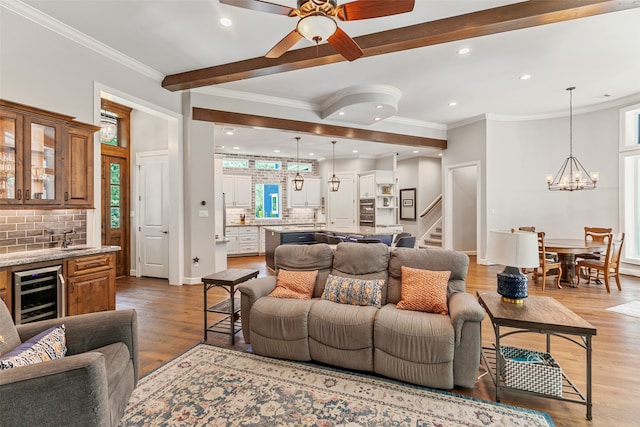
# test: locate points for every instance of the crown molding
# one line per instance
(82, 39)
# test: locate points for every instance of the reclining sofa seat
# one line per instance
(428, 349)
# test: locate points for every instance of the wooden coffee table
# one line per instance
(543, 315)
(230, 308)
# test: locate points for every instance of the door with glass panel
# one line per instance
(10, 155)
(115, 201)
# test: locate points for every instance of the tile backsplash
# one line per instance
(28, 230)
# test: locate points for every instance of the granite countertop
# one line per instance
(29, 257)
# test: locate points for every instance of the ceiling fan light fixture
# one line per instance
(317, 28)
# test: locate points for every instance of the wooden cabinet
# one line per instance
(309, 197)
(5, 287)
(91, 284)
(237, 191)
(46, 159)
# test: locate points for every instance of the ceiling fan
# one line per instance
(318, 21)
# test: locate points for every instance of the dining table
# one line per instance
(567, 249)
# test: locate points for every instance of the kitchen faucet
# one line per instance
(66, 242)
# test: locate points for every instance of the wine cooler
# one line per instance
(38, 294)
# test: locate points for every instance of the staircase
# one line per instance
(433, 238)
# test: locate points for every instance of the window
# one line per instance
(261, 164)
(235, 163)
(267, 201)
(630, 192)
(302, 167)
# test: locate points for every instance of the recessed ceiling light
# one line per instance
(311, 154)
(355, 151)
(341, 113)
(220, 146)
(416, 151)
(378, 106)
(225, 22)
(377, 119)
(439, 154)
(276, 151)
(229, 131)
(464, 50)
(236, 148)
(453, 104)
(525, 77)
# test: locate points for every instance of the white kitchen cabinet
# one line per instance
(242, 240)
(380, 186)
(310, 195)
(367, 186)
(237, 191)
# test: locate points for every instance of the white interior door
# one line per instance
(153, 231)
(342, 204)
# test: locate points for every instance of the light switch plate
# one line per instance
(203, 213)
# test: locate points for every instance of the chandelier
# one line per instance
(334, 181)
(572, 176)
(298, 180)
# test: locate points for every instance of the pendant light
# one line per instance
(108, 125)
(334, 182)
(298, 181)
(572, 176)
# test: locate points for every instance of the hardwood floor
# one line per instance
(170, 321)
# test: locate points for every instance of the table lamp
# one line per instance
(515, 250)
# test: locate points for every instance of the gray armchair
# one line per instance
(90, 386)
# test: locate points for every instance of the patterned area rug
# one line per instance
(631, 308)
(213, 386)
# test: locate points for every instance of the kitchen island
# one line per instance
(305, 235)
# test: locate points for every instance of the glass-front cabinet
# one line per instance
(35, 158)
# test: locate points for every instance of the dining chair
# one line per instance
(546, 264)
(406, 242)
(609, 265)
(334, 240)
(595, 235)
(399, 236)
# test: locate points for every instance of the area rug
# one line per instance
(213, 386)
(631, 308)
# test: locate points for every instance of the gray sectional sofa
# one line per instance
(433, 350)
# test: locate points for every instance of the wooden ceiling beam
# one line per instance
(485, 22)
(241, 119)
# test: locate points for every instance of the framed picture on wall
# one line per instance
(408, 204)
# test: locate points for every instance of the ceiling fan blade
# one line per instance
(345, 45)
(284, 45)
(365, 9)
(261, 6)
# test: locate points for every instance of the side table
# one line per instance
(230, 308)
(543, 315)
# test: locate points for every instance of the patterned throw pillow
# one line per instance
(47, 345)
(295, 284)
(424, 290)
(345, 290)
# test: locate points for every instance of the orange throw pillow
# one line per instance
(295, 284)
(424, 290)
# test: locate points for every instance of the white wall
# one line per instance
(521, 154)
(425, 175)
(464, 210)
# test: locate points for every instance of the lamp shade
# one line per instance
(513, 248)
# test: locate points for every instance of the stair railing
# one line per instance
(431, 206)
